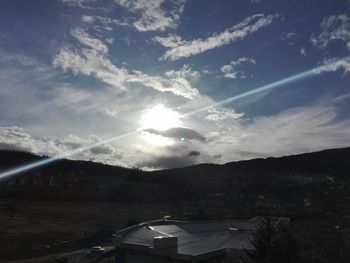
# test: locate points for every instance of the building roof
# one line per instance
(195, 240)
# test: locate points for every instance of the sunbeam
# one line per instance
(33, 165)
(297, 77)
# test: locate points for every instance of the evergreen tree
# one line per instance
(272, 244)
(331, 246)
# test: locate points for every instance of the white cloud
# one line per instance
(178, 85)
(297, 130)
(92, 60)
(303, 52)
(292, 131)
(242, 60)
(171, 41)
(334, 28)
(152, 15)
(333, 65)
(88, 19)
(230, 69)
(289, 37)
(111, 113)
(90, 63)
(185, 72)
(79, 3)
(221, 114)
(73, 2)
(95, 44)
(231, 73)
(15, 138)
(178, 48)
(100, 22)
(20, 59)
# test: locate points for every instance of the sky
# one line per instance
(75, 73)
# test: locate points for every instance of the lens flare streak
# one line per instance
(48, 160)
(300, 76)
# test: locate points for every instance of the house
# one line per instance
(170, 241)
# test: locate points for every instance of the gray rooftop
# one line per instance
(194, 240)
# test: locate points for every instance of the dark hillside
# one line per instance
(311, 182)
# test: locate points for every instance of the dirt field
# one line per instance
(36, 228)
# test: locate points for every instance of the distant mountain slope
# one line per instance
(333, 161)
(307, 181)
(17, 158)
(322, 161)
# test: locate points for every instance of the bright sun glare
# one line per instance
(160, 118)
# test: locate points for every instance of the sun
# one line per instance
(160, 118)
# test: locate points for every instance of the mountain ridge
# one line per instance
(314, 179)
(16, 157)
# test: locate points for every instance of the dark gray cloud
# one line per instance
(104, 149)
(13, 147)
(194, 153)
(179, 133)
(72, 145)
(179, 155)
(167, 162)
(252, 154)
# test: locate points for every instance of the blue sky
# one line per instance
(77, 72)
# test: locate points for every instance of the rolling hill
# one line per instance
(316, 181)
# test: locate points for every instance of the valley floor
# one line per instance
(39, 231)
(38, 228)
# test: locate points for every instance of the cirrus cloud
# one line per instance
(230, 69)
(178, 48)
(334, 28)
(152, 15)
(92, 60)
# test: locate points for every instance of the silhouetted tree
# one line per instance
(272, 244)
(331, 246)
(288, 251)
